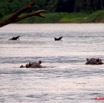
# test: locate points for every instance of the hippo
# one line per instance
(32, 65)
(36, 64)
(94, 61)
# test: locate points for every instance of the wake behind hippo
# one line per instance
(33, 65)
(94, 61)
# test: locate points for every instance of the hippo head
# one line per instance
(94, 61)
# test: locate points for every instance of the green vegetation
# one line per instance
(59, 10)
(74, 17)
(97, 16)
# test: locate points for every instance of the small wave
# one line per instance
(14, 71)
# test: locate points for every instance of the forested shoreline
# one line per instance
(56, 7)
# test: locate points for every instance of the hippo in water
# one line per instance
(36, 64)
(94, 61)
(32, 65)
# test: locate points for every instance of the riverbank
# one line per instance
(95, 17)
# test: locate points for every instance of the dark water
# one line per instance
(65, 78)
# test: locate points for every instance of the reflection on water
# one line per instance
(66, 78)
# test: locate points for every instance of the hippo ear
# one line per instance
(97, 60)
(87, 59)
(21, 66)
(40, 61)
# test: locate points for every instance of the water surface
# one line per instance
(66, 78)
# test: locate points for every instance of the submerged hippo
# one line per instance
(32, 65)
(94, 61)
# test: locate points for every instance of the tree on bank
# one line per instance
(10, 6)
(16, 16)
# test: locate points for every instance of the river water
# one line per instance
(65, 77)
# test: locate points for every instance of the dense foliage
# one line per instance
(9, 6)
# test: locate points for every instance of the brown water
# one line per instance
(66, 78)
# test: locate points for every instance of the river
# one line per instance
(65, 77)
